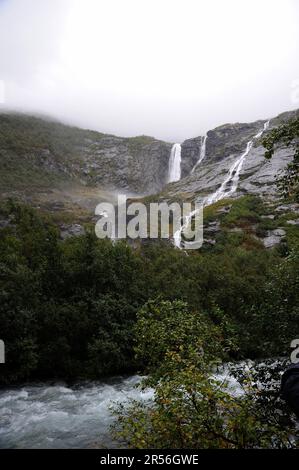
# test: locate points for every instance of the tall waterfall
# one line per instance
(227, 188)
(175, 163)
(230, 184)
(202, 153)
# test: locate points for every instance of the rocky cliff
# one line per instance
(224, 145)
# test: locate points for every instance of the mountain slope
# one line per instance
(66, 169)
(223, 146)
(37, 153)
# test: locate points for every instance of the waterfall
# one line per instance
(227, 188)
(202, 153)
(230, 184)
(175, 163)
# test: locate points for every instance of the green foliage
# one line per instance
(277, 315)
(68, 308)
(169, 329)
(191, 408)
(244, 211)
(286, 134)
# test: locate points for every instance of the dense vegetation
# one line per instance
(192, 406)
(26, 142)
(68, 308)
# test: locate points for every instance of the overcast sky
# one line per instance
(167, 68)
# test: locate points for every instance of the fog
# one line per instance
(167, 68)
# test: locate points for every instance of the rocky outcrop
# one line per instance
(190, 154)
(136, 164)
(223, 146)
(229, 139)
(273, 237)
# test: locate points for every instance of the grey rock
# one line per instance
(273, 237)
(293, 222)
(271, 216)
(68, 154)
(230, 139)
(190, 154)
(223, 146)
(279, 232)
(271, 241)
(288, 208)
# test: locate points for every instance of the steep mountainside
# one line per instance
(36, 153)
(223, 146)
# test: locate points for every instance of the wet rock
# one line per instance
(273, 238)
(190, 154)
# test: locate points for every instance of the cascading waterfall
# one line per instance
(230, 183)
(227, 188)
(202, 153)
(175, 163)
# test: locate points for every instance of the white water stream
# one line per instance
(175, 163)
(227, 188)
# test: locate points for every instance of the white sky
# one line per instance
(168, 68)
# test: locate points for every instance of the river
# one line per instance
(60, 416)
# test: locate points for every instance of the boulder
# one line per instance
(273, 237)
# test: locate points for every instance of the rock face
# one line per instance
(190, 154)
(136, 164)
(273, 238)
(230, 139)
(48, 152)
(223, 146)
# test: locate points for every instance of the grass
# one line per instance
(211, 213)
(245, 210)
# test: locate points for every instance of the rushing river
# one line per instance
(59, 416)
(79, 416)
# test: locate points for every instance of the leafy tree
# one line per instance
(191, 407)
(286, 134)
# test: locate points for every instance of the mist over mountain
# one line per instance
(126, 127)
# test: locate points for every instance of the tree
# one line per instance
(191, 406)
(287, 134)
